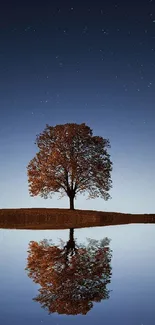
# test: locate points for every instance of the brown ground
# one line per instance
(37, 218)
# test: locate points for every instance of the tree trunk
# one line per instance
(71, 234)
(71, 198)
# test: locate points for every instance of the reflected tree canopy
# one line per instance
(71, 277)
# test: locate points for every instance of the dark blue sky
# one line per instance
(74, 61)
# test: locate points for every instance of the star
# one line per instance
(104, 31)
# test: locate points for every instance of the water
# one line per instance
(131, 289)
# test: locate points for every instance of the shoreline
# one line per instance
(55, 218)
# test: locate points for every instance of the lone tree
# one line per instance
(70, 160)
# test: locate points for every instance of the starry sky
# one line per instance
(79, 61)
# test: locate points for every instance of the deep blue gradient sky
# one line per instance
(74, 61)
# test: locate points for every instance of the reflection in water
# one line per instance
(71, 277)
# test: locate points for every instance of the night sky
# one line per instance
(87, 62)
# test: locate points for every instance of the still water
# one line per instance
(106, 281)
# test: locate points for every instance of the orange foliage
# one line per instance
(70, 286)
(70, 160)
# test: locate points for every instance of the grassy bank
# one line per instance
(37, 218)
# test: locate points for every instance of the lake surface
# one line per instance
(127, 296)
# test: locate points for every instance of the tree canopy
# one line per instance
(70, 160)
(70, 279)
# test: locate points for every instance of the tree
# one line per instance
(70, 160)
(70, 279)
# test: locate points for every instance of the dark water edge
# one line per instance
(64, 218)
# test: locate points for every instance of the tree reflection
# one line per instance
(71, 277)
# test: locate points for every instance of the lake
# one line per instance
(106, 281)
